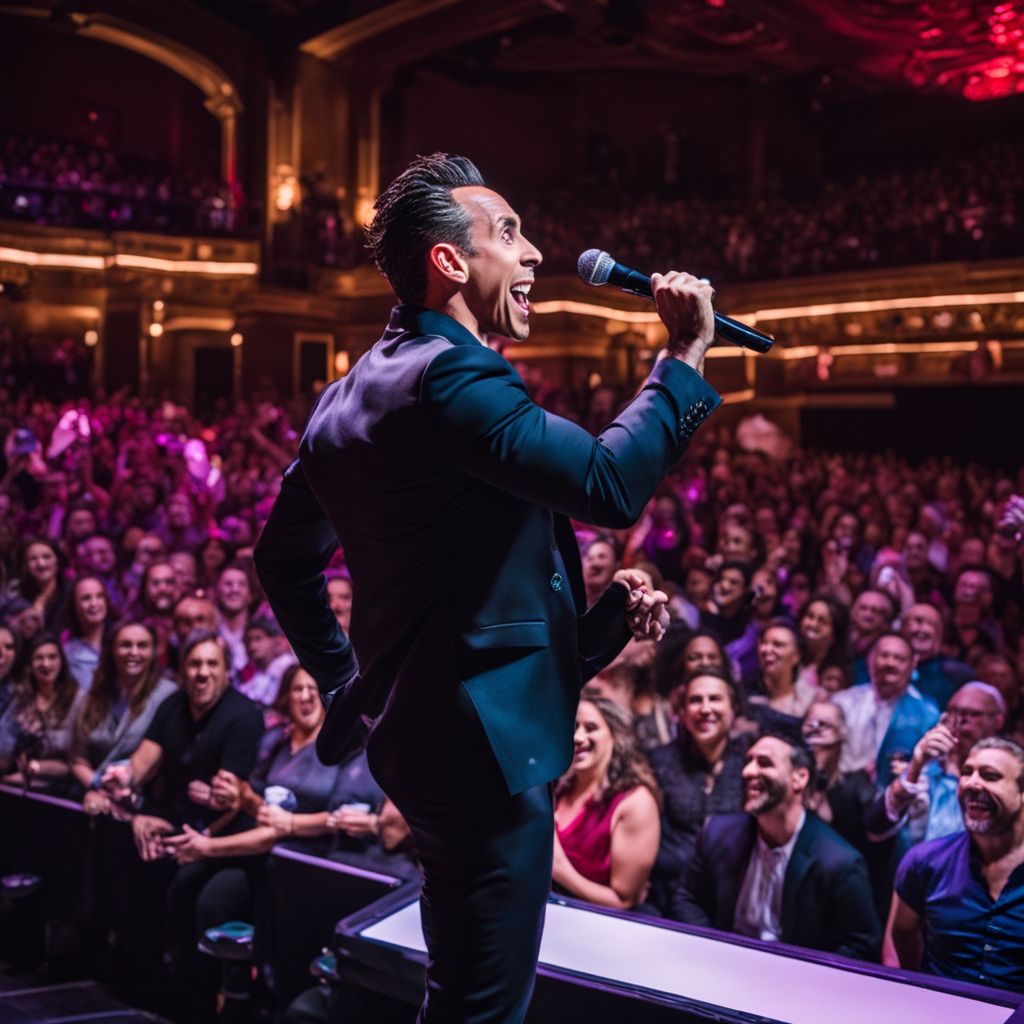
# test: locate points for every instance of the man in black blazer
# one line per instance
(778, 872)
(451, 493)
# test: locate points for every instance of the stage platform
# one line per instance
(67, 1004)
(602, 966)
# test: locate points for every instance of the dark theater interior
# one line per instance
(794, 792)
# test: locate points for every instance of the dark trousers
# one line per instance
(486, 879)
(203, 894)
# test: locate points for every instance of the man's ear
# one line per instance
(448, 261)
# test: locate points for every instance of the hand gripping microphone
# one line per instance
(597, 268)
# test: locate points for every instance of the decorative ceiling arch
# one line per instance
(221, 97)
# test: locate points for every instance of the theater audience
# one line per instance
(777, 872)
(196, 732)
(997, 670)
(824, 637)
(844, 799)
(127, 688)
(339, 597)
(776, 697)
(698, 773)
(958, 908)
(704, 650)
(886, 715)
(600, 563)
(233, 597)
(871, 615)
(36, 729)
(96, 555)
(662, 537)
(728, 614)
(90, 621)
(70, 184)
(190, 613)
(158, 595)
(9, 648)
(214, 554)
(926, 792)
(606, 810)
(292, 797)
(770, 518)
(269, 656)
(972, 629)
(935, 676)
(40, 582)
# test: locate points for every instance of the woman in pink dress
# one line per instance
(607, 811)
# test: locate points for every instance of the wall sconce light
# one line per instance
(341, 363)
(286, 188)
(155, 330)
(236, 339)
(91, 338)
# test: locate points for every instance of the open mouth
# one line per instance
(521, 295)
(979, 807)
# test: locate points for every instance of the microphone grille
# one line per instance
(595, 266)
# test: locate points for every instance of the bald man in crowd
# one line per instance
(926, 793)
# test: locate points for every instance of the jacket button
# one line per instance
(556, 582)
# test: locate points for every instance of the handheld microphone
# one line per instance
(597, 268)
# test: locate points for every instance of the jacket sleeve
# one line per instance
(857, 931)
(694, 895)
(292, 553)
(602, 631)
(477, 411)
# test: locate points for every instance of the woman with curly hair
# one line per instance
(127, 688)
(607, 810)
(825, 634)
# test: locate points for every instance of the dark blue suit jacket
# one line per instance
(826, 896)
(450, 491)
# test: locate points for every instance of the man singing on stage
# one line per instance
(451, 493)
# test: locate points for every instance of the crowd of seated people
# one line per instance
(966, 208)
(832, 721)
(70, 184)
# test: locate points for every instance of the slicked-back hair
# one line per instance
(416, 212)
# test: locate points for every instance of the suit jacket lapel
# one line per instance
(732, 874)
(799, 864)
(568, 548)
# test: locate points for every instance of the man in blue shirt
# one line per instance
(925, 797)
(958, 910)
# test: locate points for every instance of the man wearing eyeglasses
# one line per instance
(924, 797)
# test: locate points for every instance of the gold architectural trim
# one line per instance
(73, 261)
(343, 38)
(880, 305)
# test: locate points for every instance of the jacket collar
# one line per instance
(421, 321)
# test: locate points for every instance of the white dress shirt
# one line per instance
(759, 905)
(867, 722)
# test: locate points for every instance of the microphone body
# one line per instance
(598, 268)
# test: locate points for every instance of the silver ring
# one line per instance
(704, 280)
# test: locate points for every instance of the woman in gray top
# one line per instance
(126, 691)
